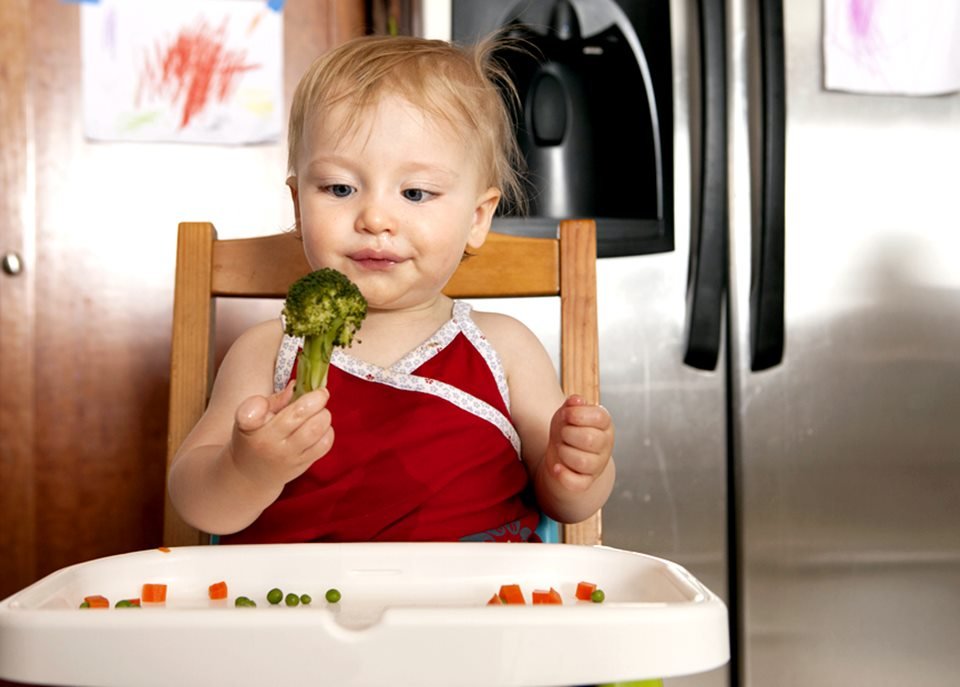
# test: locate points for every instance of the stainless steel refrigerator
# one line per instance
(811, 475)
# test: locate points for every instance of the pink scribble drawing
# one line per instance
(891, 47)
(861, 14)
(866, 42)
(191, 69)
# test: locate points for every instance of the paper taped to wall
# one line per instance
(892, 47)
(193, 71)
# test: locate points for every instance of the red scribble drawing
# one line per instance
(192, 68)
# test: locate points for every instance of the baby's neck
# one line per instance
(388, 335)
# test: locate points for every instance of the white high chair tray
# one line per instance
(410, 614)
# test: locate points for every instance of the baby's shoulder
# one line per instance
(496, 322)
(248, 367)
(509, 336)
(263, 338)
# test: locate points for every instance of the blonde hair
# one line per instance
(459, 86)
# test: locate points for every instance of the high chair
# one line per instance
(264, 267)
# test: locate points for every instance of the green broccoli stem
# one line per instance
(314, 361)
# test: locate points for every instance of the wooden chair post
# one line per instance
(191, 363)
(579, 354)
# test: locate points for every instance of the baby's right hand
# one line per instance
(275, 440)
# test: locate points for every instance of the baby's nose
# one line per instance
(375, 219)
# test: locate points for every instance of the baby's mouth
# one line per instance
(375, 259)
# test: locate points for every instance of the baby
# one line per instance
(439, 423)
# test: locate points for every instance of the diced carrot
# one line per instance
(542, 596)
(495, 600)
(218, 590)
(584, 590)
(511, 594)
(97, 601)
(163, 549)
(134, 602)
(154, 593)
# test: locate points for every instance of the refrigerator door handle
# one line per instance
(708, 237)
(767, 283)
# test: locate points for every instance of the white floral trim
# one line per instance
(428, 349)
(286, 357)
(461, 315)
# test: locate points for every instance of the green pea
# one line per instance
(85, 604)
(332, 595)
(275, 596)
(124, 603)
(305, 599)
(292, 599)
(597, 596)
(245, 601)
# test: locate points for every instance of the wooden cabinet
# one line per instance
(85, 324)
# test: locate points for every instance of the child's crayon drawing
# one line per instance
(206, 71)
(892, 47)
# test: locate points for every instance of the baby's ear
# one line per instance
(295, 196)
(483, 216)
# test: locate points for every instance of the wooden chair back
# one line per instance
(264, 267)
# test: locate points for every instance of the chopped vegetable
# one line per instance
(541, 596)
(217, 590)
(128, 603)
(597, 596)
(292, 599)
(326, 309)
(95, 601)
(154, 593)
(511, 594)
(275, 596)
(584, 590)
(163, 549)
(305, 599)
(495, 600)
(332, 596)
(245, 601)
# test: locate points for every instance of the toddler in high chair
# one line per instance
(439, 423)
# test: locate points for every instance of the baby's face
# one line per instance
(391, 202)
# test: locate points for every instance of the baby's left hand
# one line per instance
(581, 443)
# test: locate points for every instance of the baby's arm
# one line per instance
(250, 441)
(567, 443)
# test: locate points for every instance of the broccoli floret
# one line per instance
(326, 309)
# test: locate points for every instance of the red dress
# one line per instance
(424, 451)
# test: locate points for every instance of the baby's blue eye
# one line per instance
(414, 194)
(340, 190)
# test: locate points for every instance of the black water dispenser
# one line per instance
(596, 118)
